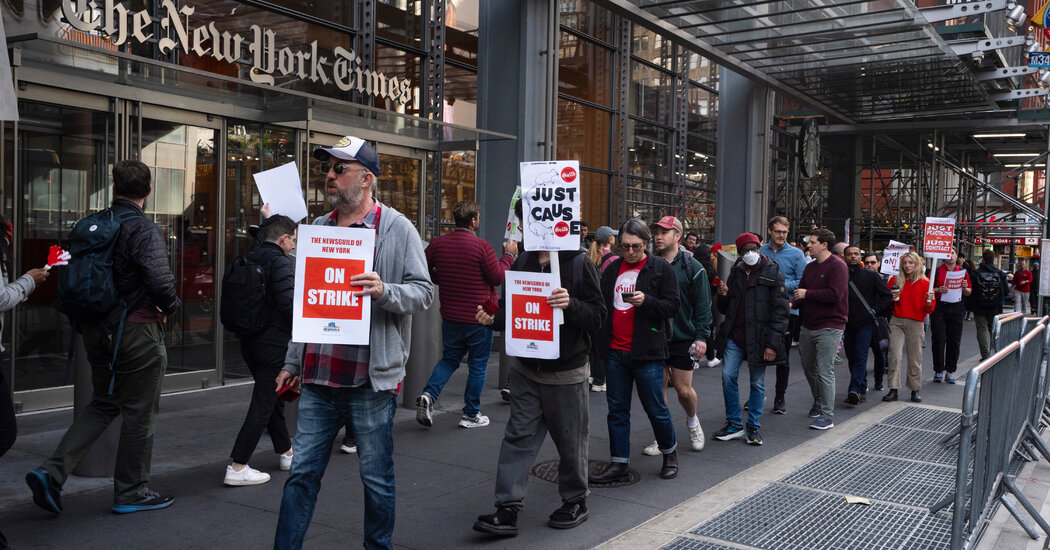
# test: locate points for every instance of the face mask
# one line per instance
(751, 258)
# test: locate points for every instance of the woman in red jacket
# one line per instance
(912, 302)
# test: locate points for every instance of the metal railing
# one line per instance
(1008, 393)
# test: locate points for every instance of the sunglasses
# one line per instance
(632, 246)
(338, 168)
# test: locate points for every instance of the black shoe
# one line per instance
(753, 438)
(505, 394)
(504, 523)
(778, 405)
(915, 397)
(615, 473)
(746, 408)
(148, 500)
(569, 515)
(852, 398)
(670, 468)
(890, 396)
(878, 386)
(46, 492)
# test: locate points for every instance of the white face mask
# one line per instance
(751, 258)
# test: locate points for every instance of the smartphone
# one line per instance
(490, 306)
(288, 393)
(626, 295)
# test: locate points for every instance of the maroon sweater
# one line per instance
(466, 269)
(826, 304)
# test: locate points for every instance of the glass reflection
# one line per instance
(585, 69)
(583, 134)
(650, 93)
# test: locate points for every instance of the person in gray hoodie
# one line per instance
(356, 384)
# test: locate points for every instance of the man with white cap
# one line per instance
(356, 383)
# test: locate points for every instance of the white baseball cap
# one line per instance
(351, 148)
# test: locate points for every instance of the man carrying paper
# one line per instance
(946, 321)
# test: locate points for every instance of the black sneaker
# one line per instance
(729, 432)
(504, 523)
(46, 492)
(753, 437)
(505, 394)
(852, 398)
(569, 515)
(148, 500)
(879, 386)
(778, 406)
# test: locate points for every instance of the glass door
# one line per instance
(400, 182)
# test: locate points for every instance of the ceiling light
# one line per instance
(1015, 16)
(979, 136)
(1042, 165)
(1044, 78)
(1016, 154)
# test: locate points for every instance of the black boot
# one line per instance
(915, 397)
(670, 467)
(615, 473)
(890, 396)
(504, 523)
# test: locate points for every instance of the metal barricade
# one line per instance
(1005, 391)
(1007, 327)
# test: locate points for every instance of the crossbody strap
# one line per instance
(863, 301)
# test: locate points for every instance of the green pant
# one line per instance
(984, 324)
(138, 373)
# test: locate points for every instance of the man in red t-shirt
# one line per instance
(1022, 285)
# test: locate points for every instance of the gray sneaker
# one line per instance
(477, 421)
(814, 411)
(425, 410)
(822, 422)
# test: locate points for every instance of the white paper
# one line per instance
(325, 310)
(281, 188)
(955, 281)
(512, 232)
(550, 194)
(530, 329)
(891, 257)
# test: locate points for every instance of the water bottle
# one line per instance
(693, 357)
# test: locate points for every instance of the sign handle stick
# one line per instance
(559, 317)
(933, 277)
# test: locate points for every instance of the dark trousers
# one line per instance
(8, 427)
(879, 357)
(597, 366)
(137, 376)
(857, 340)
(783, 369)
(265, 411)
(946, 324)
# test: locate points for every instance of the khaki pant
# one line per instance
(905, 333)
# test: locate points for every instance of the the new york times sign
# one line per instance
(344, 70)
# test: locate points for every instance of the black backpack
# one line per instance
(86, 287)
(243, 309)
(989, 288)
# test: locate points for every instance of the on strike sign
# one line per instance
(939, 236)
(326, 310)
(530, 329)
(550, 193)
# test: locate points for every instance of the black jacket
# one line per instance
(280, 292)
(875, 291)
(765, 308)
(583, 315)
(141, 268)
(652, 320)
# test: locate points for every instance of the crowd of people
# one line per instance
(639, 302)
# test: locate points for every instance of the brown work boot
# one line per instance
(670, 467)
(615, 473)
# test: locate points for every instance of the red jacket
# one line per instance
(912, 303)
(467, 271)
(1022, 280)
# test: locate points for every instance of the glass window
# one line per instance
(698, 204)
(461, 31)
(650, 93)
(339, 15)
(647, 45)
(703, 112)
(394, 62)
(594, 206)
(649, 200)
(585, 69)
(649, 153)
(583, 134)
(461, 96)
(702, 70)
(458, 179)
(400, 21)
(587, 18)
(398, 185)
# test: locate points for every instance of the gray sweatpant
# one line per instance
(817, 349)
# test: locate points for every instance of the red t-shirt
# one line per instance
(623, 313)
(1023, 280)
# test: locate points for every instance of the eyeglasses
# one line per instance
(338, 168)
(775, 232)
(632, 246)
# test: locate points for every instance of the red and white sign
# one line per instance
(1028, 241)
(531, 330)
(954, 282)
(939, 237)
(326, 309)
(891, 257)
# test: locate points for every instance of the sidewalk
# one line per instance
(445, 475)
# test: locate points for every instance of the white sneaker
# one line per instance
(479, 421)
(652, 450)
(247, 476)
(286, 462)
(348, 449)
(714, 363)
(696, 437)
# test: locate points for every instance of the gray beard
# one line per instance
(348, 200)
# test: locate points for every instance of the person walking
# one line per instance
(641, 297)
(708, 259)
(549, 397)
(601, 255)
(131, 388)
(792, 262)
(690, 328)
(872, 264)
(466, 270)
(1022, 286)
(264, 353)
(823, 303)
(356, 383)
(754, 301)
(946, 321)
(868, 299)
(989, 288)
(912, 302)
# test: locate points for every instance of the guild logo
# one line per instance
(568, 174)
(331, 327)
(561, 229)
(532, 346)
(93, 227)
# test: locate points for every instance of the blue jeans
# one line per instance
(322, 412)
(459, 339)
(857, 342)
(620, 374)
(734, 355)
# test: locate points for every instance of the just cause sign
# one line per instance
(344, 70)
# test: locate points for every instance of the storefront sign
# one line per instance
(891, 257)
(122, 25)
(1039, 59)
(551, 205)
(326, 310)
(531, 328)
(938, 238)
(1028, 241)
